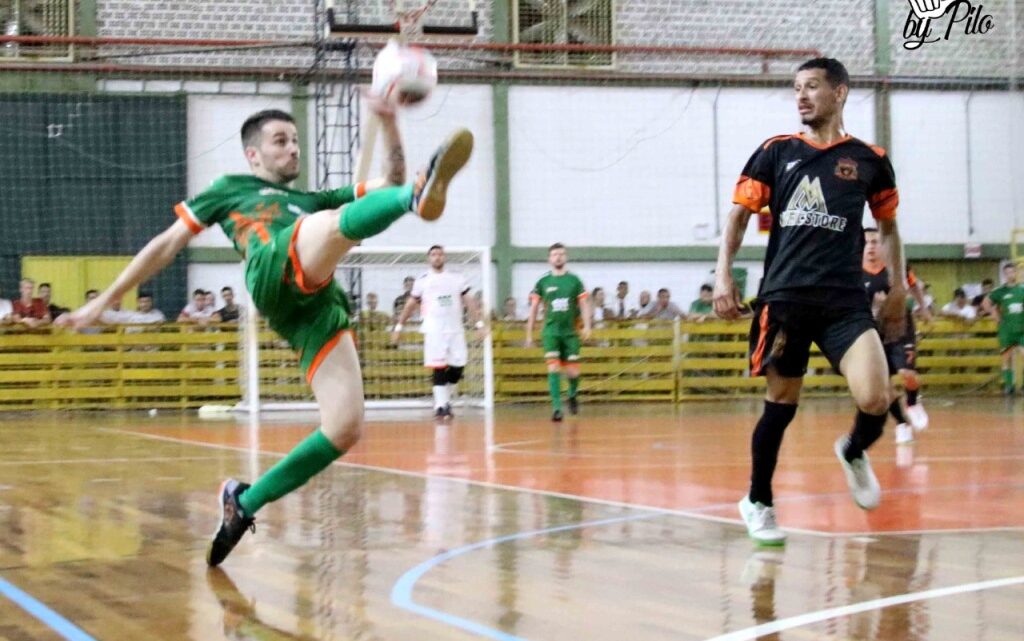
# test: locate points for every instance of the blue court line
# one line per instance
(401, 593)
(36, 608)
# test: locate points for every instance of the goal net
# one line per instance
(375, 279)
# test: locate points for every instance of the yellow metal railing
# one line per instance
(183, 366)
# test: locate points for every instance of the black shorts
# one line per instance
(782, 332)
(901, 354)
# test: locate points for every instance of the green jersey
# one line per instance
(252, 210)
(561, 296)
(700, 307)
(1010, 301)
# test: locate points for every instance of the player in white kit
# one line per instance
(442, 296)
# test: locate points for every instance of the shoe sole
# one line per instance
(220, 499)
(450, 160)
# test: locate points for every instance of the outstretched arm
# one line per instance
(531, 319)
(157, 254)
(725, 301)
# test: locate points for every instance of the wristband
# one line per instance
(479, 324)
(398, 327)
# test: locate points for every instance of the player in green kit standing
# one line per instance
(565, 307)
(292, 241)
(1006, 305)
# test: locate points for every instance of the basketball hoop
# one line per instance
(410, 21)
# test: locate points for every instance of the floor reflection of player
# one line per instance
(883, 568)
(240, 619)
(760, 573)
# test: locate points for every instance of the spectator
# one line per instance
(399, 304)
(114, 315)
(30, 311)
(45, 291)
(702, 308)
(987, 286)
(959, 307)
(509, 309)
(370, 316)
(663, 308)
(929, 303)
(231, 312)
(145, 313)
(598, 312)
(211, 301)
(6, 312)
(197, 311)
(620, 306)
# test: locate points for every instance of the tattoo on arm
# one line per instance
(396, 166)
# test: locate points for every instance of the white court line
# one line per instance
(152, 459)
(694, 513)
(749, 634)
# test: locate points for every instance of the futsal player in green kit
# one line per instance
(565, 304)
(1006, 305)
(292, 241)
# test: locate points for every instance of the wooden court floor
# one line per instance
(618, 524)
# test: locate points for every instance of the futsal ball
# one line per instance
(404, 74)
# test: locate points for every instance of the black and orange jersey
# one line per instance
(817, 195)
(877, 280)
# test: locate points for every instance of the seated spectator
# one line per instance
(598, 312)
(197, 311)
(987, 286)
(231, 312)
(663, 307)
(620, 307)
(144, 312)
(370, 316)
(399, 304)
(509, 310)
(646, 306)
(702, 308)
(929, 304)
(959, 307)
(6, 312)
(114, 315)
(211, 301)
(28, 310)
(45, 291)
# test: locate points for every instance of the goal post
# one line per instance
(393, 374)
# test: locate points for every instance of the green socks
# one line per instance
(574, 384)
(555, 388)
(374, 212)
(1008, 378)
(308, 459)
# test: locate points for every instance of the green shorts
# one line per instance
(564, 348)
(1010, 337)
(310, 316)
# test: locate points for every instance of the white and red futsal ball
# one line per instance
(404, 74)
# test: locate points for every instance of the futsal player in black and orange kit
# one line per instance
(816, 184)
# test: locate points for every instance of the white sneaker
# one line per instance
(760, 522)
(917, 417)
(904, 434)
(860, 477)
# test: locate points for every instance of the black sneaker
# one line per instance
(431, 189)
(440, 413)
(233, 522)
(574, 406)
(448, 411)
(557, 416)
(1009, 390)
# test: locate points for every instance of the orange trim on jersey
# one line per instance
(582, 296)
(878, 150)
(324, 351)
(883, 204)
(757, 358)
(359, 190)
(186, 217)
(752, 194)
(911, 279)
(534, 296)
(818, 145)
(293, 256)
(553, 361)
(771, 141)
(881, 267)
(569, 363)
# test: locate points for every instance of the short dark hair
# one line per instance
(597, 289)
(663, 289)
(144, 294)
(199, 292)
(959, 292)
(622, 282)
(92, 291)
(706, 288)
(988, 281)
(42, 285)
(835, 71)
(555, 246)
(1013, 265)
(226, 289)
(871, 230)
(433, 247)
(253, 125)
